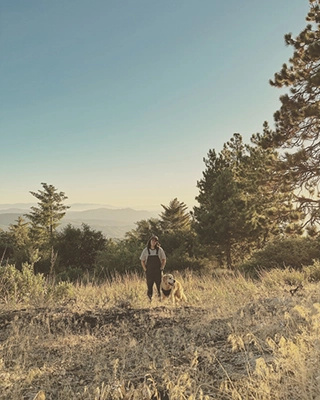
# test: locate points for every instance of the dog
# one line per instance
(171, 289)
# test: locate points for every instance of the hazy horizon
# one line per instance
(76, 206)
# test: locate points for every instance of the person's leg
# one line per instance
(158, 278)
(150, 282)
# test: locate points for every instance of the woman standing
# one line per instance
(153, 260)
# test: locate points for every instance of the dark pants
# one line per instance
(153, 274)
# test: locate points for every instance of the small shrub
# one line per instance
(27, 287)
(62, 291)
(312, 271)
(279, 277)
(21, 285)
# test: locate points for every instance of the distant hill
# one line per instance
(8, 218)
(113, 223)
(106, 214)
(73, 206)
(16, 206)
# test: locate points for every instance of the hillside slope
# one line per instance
(113, 223)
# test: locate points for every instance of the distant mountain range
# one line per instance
(112, 222)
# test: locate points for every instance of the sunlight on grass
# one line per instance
(234, 339)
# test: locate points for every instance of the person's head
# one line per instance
(153, 242)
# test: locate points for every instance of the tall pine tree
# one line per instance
(46, 217)
(240, 207)
(220, 218)
(297, 122)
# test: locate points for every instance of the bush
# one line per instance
(312, 271)
(21, 285)
(72, 274)
(61, 291)
(276, 278)
(27, 287)
(293, 253)
(182, 262)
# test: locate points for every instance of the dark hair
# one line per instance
(149, 242)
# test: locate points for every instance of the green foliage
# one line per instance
(312, 271)
(180, 246)
(6, 248)
(44, 221)
(61, 291)
(17, 246)
(143, 231)
(17, 286)
(180, 261)
(77, 249)
(182, 241)
(46, 217)
(27, 287)
(294, 253)
(71, 274)
(118, 257)
(182, 250)
(176, 236)
(22, 245)
(175, 216)
(220, 218)
(239, 208)
(20, 233)
(297, 122)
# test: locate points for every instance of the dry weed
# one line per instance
(234, 339)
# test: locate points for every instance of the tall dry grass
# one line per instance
(234, 339)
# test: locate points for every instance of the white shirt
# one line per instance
(153, 252)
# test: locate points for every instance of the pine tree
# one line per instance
(220, 218)
(145, 228)
(46, 217)
(175, 216)
(297, 122)
(240, 207)
(270, 201)
(20, 233)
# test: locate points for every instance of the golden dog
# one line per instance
(171, 289)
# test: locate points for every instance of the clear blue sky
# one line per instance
(117, 102)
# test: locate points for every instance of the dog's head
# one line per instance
(168, 279)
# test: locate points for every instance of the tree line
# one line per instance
(72, 253)
(250, 195)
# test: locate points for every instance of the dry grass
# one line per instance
(235, 339)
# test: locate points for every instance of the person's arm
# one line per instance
(163, 260)
(143, 260)
(144, 266)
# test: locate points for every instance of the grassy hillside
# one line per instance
(234, 339)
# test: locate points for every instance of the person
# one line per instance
(153, 260)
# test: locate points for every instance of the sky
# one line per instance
(117, 102)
